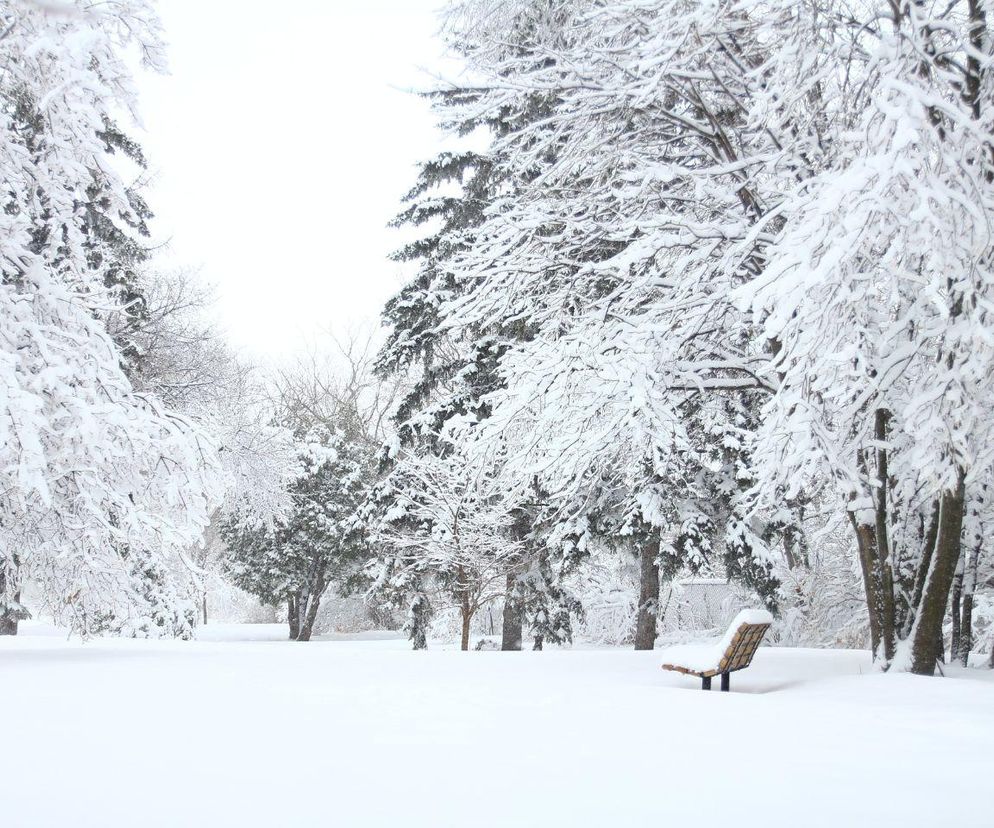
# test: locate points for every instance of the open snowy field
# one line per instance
(245, 729)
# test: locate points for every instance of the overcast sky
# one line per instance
(282, 141)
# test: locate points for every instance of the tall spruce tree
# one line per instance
(455, 374)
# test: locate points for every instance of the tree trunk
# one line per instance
(203, 605)
(888, 627)
(954, 611)
(871, 582)
(926, 634)
(467, 616)
(511, 632)
(420, 618)
(872, 541)
(539, 641)
(293, 616)
(966, 624)
(645, 628)
(924, 566)
(307, 622)
(966, 630)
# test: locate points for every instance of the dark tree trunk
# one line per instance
(867, 567)
(305, 631)
(926, 641)
(645, 628)
(872, 542)
(924, 565)
(467, 617)
(888, 626)
(203, 605)
(954, 612)
(539, 641)
(966, 624)
(511, 632)
(293, 616)
(307, 622)
(966, 630)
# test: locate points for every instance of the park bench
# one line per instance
(733, 651)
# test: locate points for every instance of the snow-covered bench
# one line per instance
(733, 651)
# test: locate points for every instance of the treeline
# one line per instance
(708, 293)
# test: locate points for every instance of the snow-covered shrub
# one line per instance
(822, 606)
(607, 586)
(352, 614)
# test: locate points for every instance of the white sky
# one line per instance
(282, 142)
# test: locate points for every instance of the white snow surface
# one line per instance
(242, 728)
(707, 655)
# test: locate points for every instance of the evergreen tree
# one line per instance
(320, 542)
(455, 374)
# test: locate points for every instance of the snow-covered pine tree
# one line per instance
(450, 197)
(294, 558)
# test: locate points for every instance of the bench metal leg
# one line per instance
(724, 682)
(705, 682)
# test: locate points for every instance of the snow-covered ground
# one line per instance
(243, 728)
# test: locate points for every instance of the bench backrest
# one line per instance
(738, 655)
